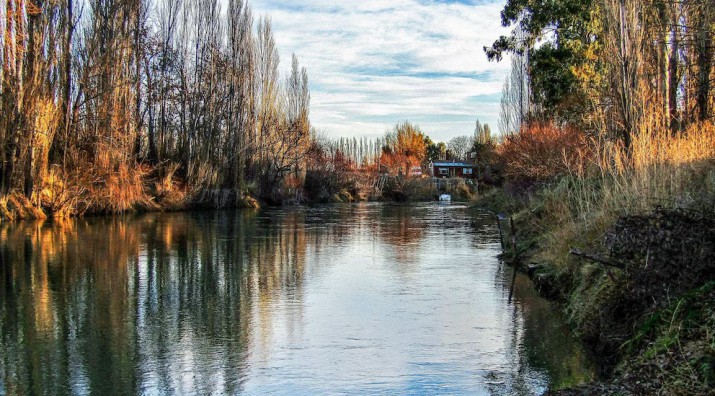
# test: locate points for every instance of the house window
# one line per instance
(443, 171)
(467, 171)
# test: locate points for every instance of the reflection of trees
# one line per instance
(484, 229)
(123, 305)
(401, 230)
(48, 310)
(557, 360)
(183, 303)
(561, 356)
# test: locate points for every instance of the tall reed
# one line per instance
(660, 169)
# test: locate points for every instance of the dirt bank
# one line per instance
(644, 303)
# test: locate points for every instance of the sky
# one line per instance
(373, 64)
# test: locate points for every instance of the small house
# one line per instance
(453, 169)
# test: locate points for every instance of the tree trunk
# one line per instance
(704, 61)
(673, 75)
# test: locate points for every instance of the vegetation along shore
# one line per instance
(609, 174)
(128, 107)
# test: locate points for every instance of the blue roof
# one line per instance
(454, 164)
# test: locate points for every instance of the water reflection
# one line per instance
(352, 298)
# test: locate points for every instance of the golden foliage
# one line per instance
(406, 148)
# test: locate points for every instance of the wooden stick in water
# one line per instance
(515, 262)
(501, 235)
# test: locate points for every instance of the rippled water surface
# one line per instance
(368, 298)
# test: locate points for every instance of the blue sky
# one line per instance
(372, 64)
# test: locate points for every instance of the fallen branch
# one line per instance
(597, 259)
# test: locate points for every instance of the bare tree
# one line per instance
(516, 102)
(624, 37)
(460, 147)
(288, 146)
(267, 91)
(106, 88)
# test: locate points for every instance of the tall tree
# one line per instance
(566, 27)
(268, 91)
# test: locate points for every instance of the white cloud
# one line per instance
(374, 63)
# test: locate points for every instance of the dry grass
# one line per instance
(675, 171)
(170, 192)
(607, 182)
(601, 177)
(661, 170)
(78, 192)
(118, 192)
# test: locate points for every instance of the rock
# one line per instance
(531, 269)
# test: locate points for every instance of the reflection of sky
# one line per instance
(372, 323)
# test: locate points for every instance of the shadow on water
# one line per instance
(368, 297)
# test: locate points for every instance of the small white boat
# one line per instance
(445, 198)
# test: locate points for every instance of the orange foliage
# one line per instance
(543, 151)
(397, 162)
(406, 148)
(411, 143)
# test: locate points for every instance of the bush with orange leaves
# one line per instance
(543, 151)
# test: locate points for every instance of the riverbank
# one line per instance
(643, 304)
(18, 207)
(624, 239)
(169, 195)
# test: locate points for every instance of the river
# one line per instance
(343, 299)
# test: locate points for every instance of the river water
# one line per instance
(345, 299)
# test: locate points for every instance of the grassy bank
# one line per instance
(126, 190)
(650, 211)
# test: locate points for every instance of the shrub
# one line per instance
(541, 152)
